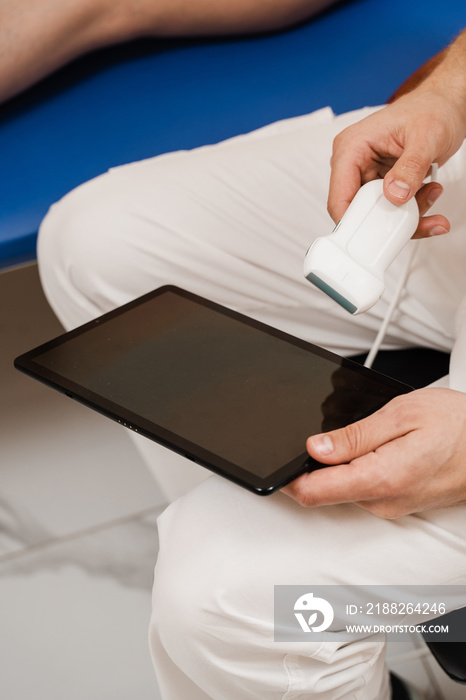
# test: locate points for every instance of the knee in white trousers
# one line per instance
(222, 551)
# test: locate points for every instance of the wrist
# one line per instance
(448, 78)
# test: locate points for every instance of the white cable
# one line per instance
(388, 316)
(398, 292)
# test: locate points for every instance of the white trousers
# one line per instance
(232, 222)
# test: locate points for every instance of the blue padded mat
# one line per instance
(149, 97)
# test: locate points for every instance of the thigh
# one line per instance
(222, 551)
(285, 543)
(231, 222)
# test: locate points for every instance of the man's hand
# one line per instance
(407, 457)
(401, 141)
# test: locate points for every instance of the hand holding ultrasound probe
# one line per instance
(408, 456)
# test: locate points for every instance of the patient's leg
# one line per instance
(39, 37)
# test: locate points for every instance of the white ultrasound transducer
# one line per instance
(349, 264)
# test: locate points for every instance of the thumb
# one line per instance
(407, 175)
(343, 445)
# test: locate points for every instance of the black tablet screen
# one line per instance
(233, 388)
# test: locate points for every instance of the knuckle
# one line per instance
(339, 138)
(400, 409)
(299, 493)
(386, 510)
(414, 165)
(304, 498)
(354, 437)
(340, 143)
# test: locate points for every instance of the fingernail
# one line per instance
(434, 195)
(399, 189)
(437, 231)
(323, 444)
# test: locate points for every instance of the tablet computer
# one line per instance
(226, 391)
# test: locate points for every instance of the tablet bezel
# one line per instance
(263, 486)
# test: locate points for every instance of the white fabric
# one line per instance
(232, 222)
(223, 550)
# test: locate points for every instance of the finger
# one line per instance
(352, 163)
(365, 481)
(359, 438)
(407, 175)
(343, 483)
(430, 225)
(345, 181)
(428, 195)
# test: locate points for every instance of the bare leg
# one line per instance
(39, 36)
